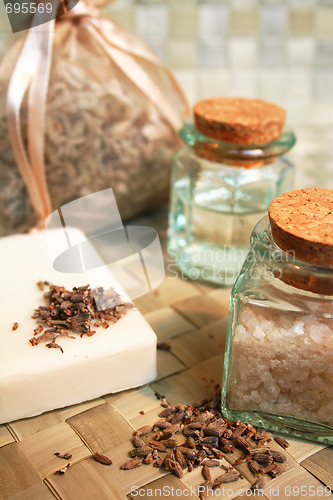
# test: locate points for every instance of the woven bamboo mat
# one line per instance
(192, 319)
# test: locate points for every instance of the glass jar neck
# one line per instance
(285, 267)
(242, 155)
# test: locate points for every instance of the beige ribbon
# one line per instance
(32, 71)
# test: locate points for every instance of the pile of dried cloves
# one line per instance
(75, 311)
(187, 436)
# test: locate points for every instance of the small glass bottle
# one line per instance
(278, 366)
(219, 190)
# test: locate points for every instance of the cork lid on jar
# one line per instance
(302, 225)
(239, 120)
(302, 221)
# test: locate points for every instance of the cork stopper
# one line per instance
(302, 223)
(239, 120)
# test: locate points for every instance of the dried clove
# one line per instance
(146, 429)
(255, 467)
(281, 441)
(102, 459)
(62, 471)
(157, 445)
(65, 456)
(260, 483)
(279, 469)
(163, 346)
(138, 442)
(132, 463)
(263, 458)
(143, 451)
(278, 456)
(180, 459)
(206, 473)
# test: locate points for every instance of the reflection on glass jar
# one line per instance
(219, 191)
(278, 368)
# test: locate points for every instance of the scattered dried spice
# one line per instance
(205, 489)
(62, 471)
(263, 458)
(255, 467)
(157, 446)
(166, 412)
(146, 429)
(269, 468)
(15, 326)
(41, 285)
(260, 483)
(138, 442)
(243, 443)
(102, 459)
(159, 462)
(206, 473)
(173, 467)
(170, 431)
(74, 311)
(180, 458)
(170, 443)
(65, 456)
(263, 437)
(163, 346)
(227, 477)
(39, 329)
(282, 442)
(278, 456)
(132, 463)
(164, 402)
(143, 451)
(149, 459)
(238, 431)
(198, 435)
(54, 345)
(279, 469)
(259, 449)
(211, 463)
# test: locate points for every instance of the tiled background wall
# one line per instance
(280, 50)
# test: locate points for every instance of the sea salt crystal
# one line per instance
(316, 333)
(284, 364)
(298, 327)
(258, 332)
(241, 331)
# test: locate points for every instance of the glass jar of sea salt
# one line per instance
(232, 165)
(278, 368)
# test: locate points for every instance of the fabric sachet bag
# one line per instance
(84, 106)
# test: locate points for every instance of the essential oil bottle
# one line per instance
(223, 179)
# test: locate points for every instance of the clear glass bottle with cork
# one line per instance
(232, 165)
(278, 367)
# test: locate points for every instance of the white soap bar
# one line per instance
(34, 379)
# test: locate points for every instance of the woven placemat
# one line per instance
(192, 319)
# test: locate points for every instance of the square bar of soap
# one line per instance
(35, 379)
